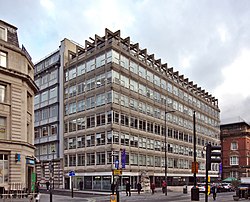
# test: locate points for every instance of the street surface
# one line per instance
(144, 197)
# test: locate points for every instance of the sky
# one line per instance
(208, 41)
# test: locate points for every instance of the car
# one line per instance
(227, 187)
(202, 187)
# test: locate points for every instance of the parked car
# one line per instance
(202, 187)
(227, 187)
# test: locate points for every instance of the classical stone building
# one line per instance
(235, 142)
(17, 88)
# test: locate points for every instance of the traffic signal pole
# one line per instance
(211, 157)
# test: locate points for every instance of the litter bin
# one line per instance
(185, 191)
(195, 196)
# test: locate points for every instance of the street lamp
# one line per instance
(51, 168)
(166, 166)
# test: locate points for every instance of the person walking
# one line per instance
(47, 185)
(164, 186)
(152, 187)
(214, 191)
(128, 192)
(81, 185)
(113, 188)
(139, 187)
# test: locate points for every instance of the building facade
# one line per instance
(235, 141)
(48, 105)
(116, 96)
(17, 89)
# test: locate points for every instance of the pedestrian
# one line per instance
(128, 192)
(113, 188)
(164, 186)
(81, 185)
(214, 191)
(152, 187)
(139, 187)
(47, 185)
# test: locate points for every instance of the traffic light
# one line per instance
(213, 155)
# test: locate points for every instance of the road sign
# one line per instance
(117, 172)
(72, 173)
(116, 163)
(195, 167)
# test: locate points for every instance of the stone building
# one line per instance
(17, 89)
(235, 142)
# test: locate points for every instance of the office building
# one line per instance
(48, 105)
(116, 96)
(17, 89)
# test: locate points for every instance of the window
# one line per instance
(2, 128)
(2, 93)
(53, 92)
(53, 129)
(3, 33)
(4, 167)
(100, 158)
(81, 159)
(234, 160)
(3, 59)
(234, 146)
(45, 131)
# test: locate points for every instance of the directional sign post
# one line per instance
(117, 164)
(71, 173)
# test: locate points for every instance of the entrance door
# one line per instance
(29, 178)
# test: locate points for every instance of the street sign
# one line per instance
(117, 172)
(71, 173)
(116, 163)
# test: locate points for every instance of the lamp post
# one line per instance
(51, 168)
(166, 165)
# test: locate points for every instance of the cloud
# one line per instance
(204, 40)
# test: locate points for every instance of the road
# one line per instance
(147, 197)
(144, 197)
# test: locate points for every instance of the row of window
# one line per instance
(45, 149)
(47, 78)
(47, 130)
(132, 140)
(87, 85)
(95, 120)
(48, 62)
(88, 103)
(113, 56)
(132, 159)
(46, 95)
(46, 113)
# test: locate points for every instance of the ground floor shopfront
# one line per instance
(102, 181)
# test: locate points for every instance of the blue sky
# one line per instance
(206, 40)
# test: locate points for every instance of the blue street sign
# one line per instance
(117, 164)
(72, 173)
(123, 158)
